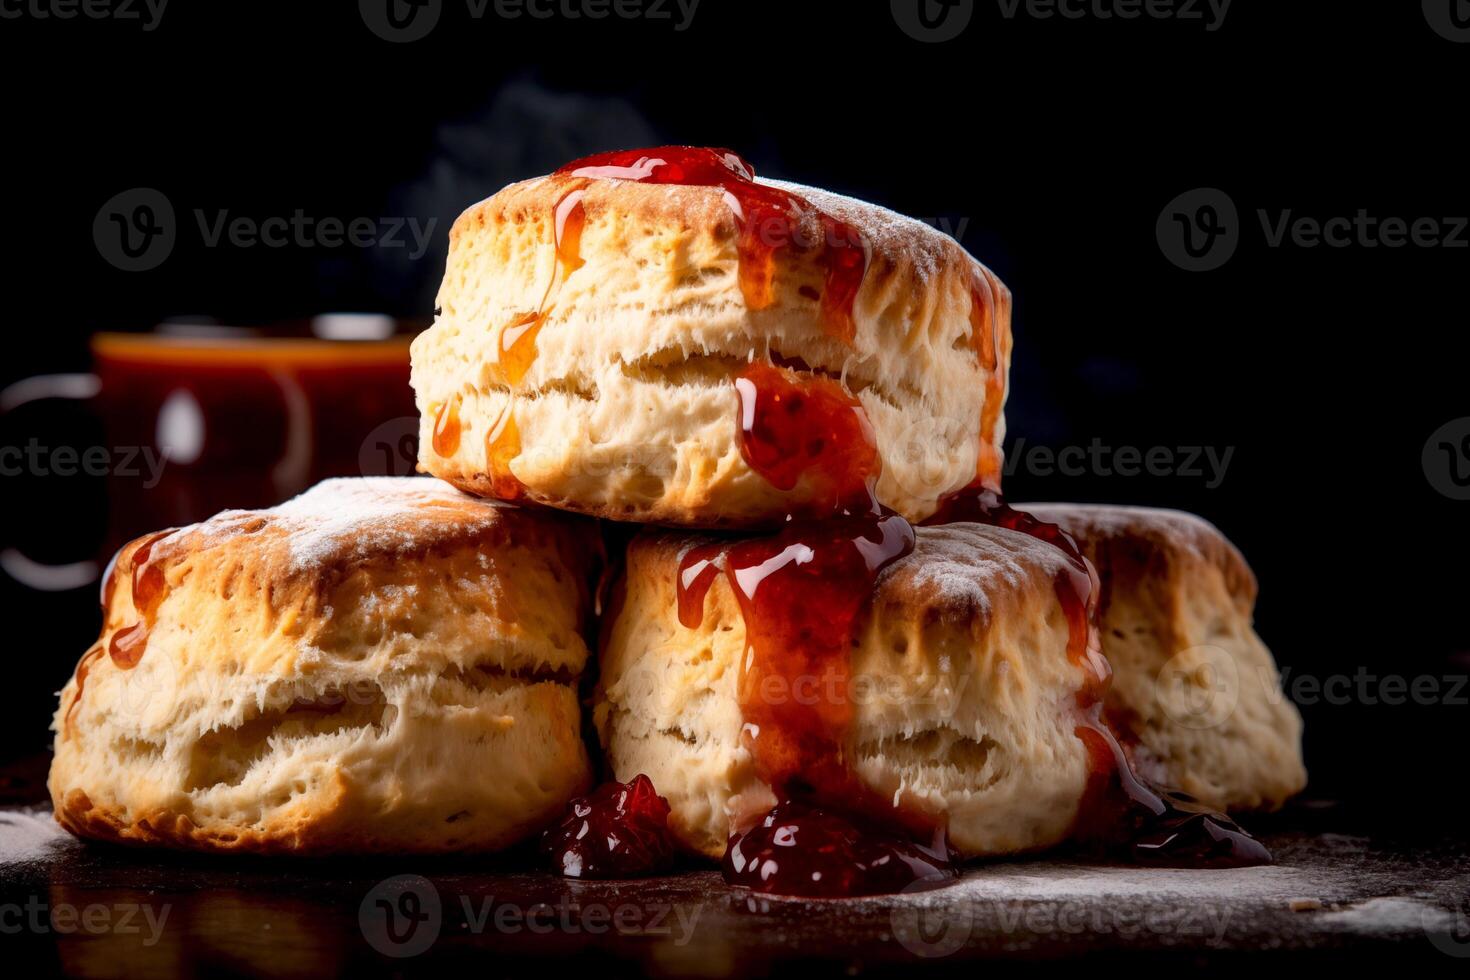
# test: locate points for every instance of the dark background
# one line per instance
(1052, 144)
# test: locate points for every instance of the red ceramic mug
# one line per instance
(208, 419)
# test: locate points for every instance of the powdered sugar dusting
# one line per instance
(1390, 914)
(361, 515)
(883, 230)
(352, 517)
(970, 563)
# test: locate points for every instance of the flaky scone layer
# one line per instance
(1193, 683)
(628, 409)
(963, 692)
(377, 665)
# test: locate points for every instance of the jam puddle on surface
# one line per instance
(619, 830)
(770, 219)
(1126, 817)
(797, 849)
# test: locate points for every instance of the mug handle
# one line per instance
(15, 563)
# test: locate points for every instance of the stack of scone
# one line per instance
(781, 380)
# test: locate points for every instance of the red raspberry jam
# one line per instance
(619, 830)
(770, 219)
(801, 850)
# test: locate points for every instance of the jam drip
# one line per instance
(446, 428)
(801, 592)
(620, 830)
(798, 849)
(128, 644)
(518, 338)
(503, 444)
(84, 668)
(1122, 813)
(518, 351)
(992, 341)
(770, 219)
(793, 428)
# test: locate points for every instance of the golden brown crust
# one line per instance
(905, 255)
(962, 689)
(1134, 546)
(628, 409)
(378, 665)
(1193, 684)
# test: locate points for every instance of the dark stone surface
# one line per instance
(1384, 899)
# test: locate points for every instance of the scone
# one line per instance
(605, 332)
(377, 665)
(1193, 685)
(960, 700)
